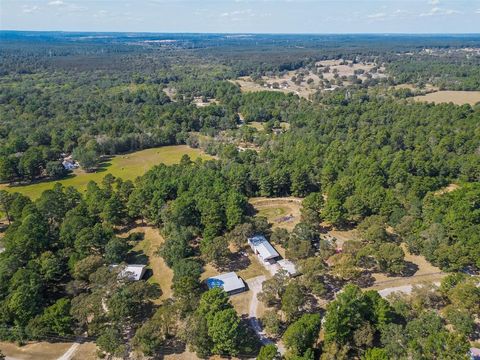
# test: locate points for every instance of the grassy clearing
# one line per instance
(344, 235)
(241, 302)
(37, 350)
(280, 212)
(260, 125)
(425, 273)
(456, 97)
(161, 273)
(447, 189)
(127, 167)
(86, 351)
(311, 82)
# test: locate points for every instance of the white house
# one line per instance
(263, 248)
(229, 282)
(70, 164)
(133, 272)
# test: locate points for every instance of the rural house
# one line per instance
(263, 248)
(132, 272)
(229, 282)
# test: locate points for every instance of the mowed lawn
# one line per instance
(126, 166)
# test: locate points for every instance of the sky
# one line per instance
(244, 16)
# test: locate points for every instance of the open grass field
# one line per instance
(127, 167)
(280, 212)
(456, 97)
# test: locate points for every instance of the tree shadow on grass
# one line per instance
(410, 269)
(102, 166)
(237, 262)
(172, 346)
(137, 257)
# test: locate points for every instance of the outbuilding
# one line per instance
(229, 282)
(263, 248)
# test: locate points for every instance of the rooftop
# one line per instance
(132, 272)
(263, 247)
(228, 282)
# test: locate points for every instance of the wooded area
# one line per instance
(359, 156)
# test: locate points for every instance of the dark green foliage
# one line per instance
(301, 335)
(450, 233)
(216, 328)
(268, 352)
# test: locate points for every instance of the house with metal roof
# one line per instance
(229, 282)
(263, 248)
(132, 272)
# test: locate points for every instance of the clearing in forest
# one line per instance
(456, 97)
(126, 166)
(280, 212)
(422, 272)
(47, 350)
(145, 252)
(304, 83)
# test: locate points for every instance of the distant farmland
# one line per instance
(456, 97)
(126, 166)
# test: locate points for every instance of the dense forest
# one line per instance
(359, 157)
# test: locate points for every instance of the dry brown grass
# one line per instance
(347, 70)
(425, 272)
(344, 235)
(275, 209)
(86, 351)
(456, 97)
(241, 302)
(33, 351)
(162, 274)
(187, 355)
(447, 189)
(254, 269)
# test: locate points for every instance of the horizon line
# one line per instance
(237, 33)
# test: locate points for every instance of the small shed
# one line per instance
(229, 282)
(262, 248)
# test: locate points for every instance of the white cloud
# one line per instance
(56, 3)
(29, 9)
(478, 11)
(437, 11)
(434, 2)
(380, 15)
(101, 14)
(247, 12)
